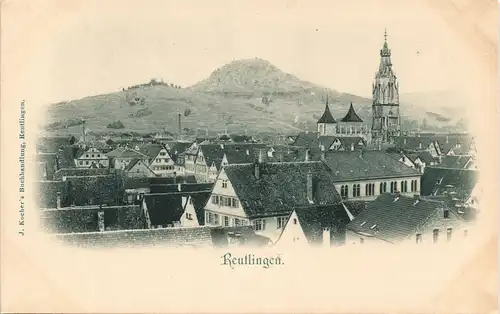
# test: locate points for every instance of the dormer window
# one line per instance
(446, 214)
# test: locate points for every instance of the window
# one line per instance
(259, 224)
(86, 162)
(404, 186)
(356, 190)
(215, 199)
(162, 153)
(449, 233)
(418, 238)
(237, 222)
(86, 155)
(394, 186)
(344, 191)
(280, 222)
(189, 216)
(226, 221)
(294, 221)
(234, 203)
(435, 235)
(81, 163)
(224, 184)
(383, 187)
(370, 189)
(98, 155)
(92, 155)
(190, 201)
(446, 214)
(216, 219)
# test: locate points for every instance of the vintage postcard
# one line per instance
(249, 156)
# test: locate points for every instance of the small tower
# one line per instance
(351, 124)
(385, 106)
(327, 124)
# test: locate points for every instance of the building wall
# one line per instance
(163, 165)
(437, 221)
(292, 235)
(140, 170)
(327, 128)
(353, 238)
(189, 218)
(363, 183)
(90, 156)
(228, 191)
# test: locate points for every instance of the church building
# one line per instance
(386, 121)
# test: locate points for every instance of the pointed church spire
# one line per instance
(327, 115)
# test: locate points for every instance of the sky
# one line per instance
(72, 49)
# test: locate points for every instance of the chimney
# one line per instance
(179, 125)
(257, 170)
(404, 141)
(221, 146)
(58, 200)
(310, 187)
(420, 145)
(308, 158)
(352, 147)
(361, 153)
(416, 199)
(261, 156)
(248, 152)
(447, 139)
(323, 155)
(100, 220)
(326, 237)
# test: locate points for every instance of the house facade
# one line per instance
(139, 168)
(92, 157)
(364, 175)
(160, 161)
(235, 199)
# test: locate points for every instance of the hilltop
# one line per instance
(249, 94)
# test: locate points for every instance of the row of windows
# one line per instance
(436, 235)
(93, 156)
(87, 162)
(225, 201)
(160, 160)
(163, 168)
(370, 188)
(215, 219)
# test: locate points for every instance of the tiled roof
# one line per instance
(351, 116)
(46, 193)
(83, 190)
(281, 187)
(241, 138)
(178, 148)
(314, 219)
(151, 150)
(124, 152)
(393, 219)
(442, 181)
(447, 142)
(307, 139)
(362, 165)
(177, 237)
(82, 172)
(165, 208)
(84, 218)
(425, 156)
(455, 162)
(355, 207)
(327, 116)
(214, 153)
(131, 164)
(412, 143)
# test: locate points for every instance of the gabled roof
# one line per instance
(351, 116)
(281, 187)
(357, 165)
(315, 219)
(412, 143)
(455, 162)
(443, 181)
(307, 139)
(424, 155)
(165, 208)
(178, 148)
(125, 152)
(393, 218)
(151, 150)
(214, 153)
(327, 116)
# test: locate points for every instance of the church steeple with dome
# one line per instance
(385, 107)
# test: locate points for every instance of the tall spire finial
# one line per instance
(385, 34)
(327, 98)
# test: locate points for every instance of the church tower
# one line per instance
(326, 125)
(385, 107)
